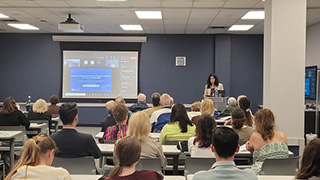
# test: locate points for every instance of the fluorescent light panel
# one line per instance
(131, 27)
(24, 26)
(254, 15)
(149, 14)
(240, 27)
(2, 16)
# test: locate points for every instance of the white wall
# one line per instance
(313, 45)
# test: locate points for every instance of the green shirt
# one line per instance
(172, 132)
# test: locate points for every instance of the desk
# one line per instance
(85, 177)
(99, 135)
(190, 177)
(155, 135)
(168, 150)
(222, 120)
(9, 136)
(40, 128)
(174, 178)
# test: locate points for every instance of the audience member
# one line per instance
(310, 163)
(212, 85)
(179, 128)
(266, 142)
(232, 105)
(40, 112)
(155, 98)
(195, 110)
(140, 128)
(70, 142)
(53, 108)
(11, 116)
(238, 118)
(35, 161)
(207, 107)
(120, 100)
(162, 116)
(140, 104)
(244, 104)
(127, 151)
(224, 145)
(118, 131)
(109, 121)
(199, 145)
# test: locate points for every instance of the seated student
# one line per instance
(155, 99)
(40, 112)
(70, 142)
(199, 145)
(238, 118)
(224, 145)
(118, 131)
(140, 104)
(11, 116)
(127, 151)
(35, 161)
(244, 104)
(139, 127)
(266, 142)
(109, 121)
(53, 108)
(161, 117)
(232, 105)
(195, 111)
(310, 163)
(179, 128)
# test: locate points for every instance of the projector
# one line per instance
(70, 25)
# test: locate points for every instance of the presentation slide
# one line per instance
(311, 82)
(100, 74)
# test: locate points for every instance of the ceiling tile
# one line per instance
(203, 13)
(82, 3)
(21, 3)
(15, 13)
(114, 4)
(176, 4)
(313, 3)
(2, 4)
(63, 12)
(231, 13)
(55, 3)
(39, 13)
(145, 4)
(224, 22)
(199, 21)
(151, 22)
(259, 5)
(248, 22)
(239, 4)
(177, 21)
(175, 13)
(209, 4)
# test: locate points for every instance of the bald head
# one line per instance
(120, 100)
(165, 100)
(141, 97)
(110, 105)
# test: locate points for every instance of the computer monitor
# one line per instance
(310, 91)
(221, 93)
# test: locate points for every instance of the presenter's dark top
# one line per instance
(137, 175)
(40, 116)
(53, 109)
(71, 144)
(17, 118)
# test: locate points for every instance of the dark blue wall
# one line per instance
(30, 64)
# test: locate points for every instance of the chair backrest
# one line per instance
(286, 166)
(20, 140)
(42, 122)
(171, 142)
(193, 165)
(80, 165)
(162, 120)
(153, 164)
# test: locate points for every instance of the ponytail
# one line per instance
(33, 149)
(115, 171)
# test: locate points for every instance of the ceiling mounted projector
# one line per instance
(70, 25)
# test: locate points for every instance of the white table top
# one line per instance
(99, 135)
(174, 178)
(167, 149)
(9, 134)
(190, 177)
(37, 126)
(85, 177)
(153, 135)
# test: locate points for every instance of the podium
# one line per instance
(220, 103)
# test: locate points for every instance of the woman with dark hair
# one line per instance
(212, 85)
(310, 163)
(179, 128)
(199, 145)
(11, 116)
(244, 104)
(53, 108)
(127, 151)
(266, 142)
(238, 119)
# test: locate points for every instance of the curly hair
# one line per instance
(265, 123)
(206, 125)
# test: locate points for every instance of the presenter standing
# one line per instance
(212, 85)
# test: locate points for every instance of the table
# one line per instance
(85, 177)
(174, 178)
(190, 177)
(99, 135)
(222, 120)
(155, 135)
(10, 136)
(168, 150)
(40, 128)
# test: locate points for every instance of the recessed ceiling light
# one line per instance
(240, 27)
(24, 26)
(254, 15)
(149, 14)
(131, 27)
(2, 16)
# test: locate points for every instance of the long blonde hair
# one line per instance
(33, 149)
(40, 106)
(207, 107)
(139, 126)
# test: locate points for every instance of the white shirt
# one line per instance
(41, 172)
(156, 114)
(193, 114)
(195, 151)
